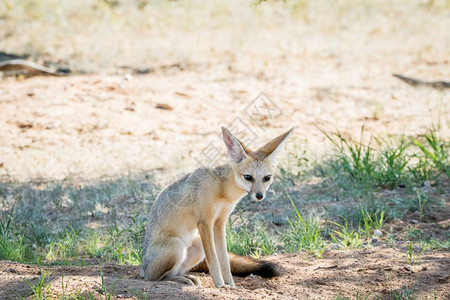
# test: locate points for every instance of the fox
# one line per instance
(186, 229)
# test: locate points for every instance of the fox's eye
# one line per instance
(248, 177)
(266, 178)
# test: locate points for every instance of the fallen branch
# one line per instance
(20, 65)
(417, 82)
(327, 267)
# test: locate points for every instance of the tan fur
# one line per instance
(187, 221)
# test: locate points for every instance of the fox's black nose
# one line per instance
(259, 196)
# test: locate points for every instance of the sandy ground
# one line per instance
(96, 125)
(375, 272)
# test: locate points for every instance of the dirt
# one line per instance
(378, 272)
(90, 126)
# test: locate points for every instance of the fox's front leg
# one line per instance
(207, 235)
(221, 247)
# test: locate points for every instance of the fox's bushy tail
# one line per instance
(243, 266)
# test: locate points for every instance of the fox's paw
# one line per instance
(184, 279)
(193, 279)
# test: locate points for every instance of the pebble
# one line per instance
(335, 246)
(128, 77)
(377, 232)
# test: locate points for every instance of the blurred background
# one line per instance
(99, 35)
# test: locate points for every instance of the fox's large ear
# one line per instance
(235, 150)
(272, 148)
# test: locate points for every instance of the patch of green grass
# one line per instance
(434, 244)
(13, 248)
(40, 289)
(355, 159)
(422, 199)
(92, 244)
(366, 164)
(140, 295)
(435, 149)
(414, 233)
(417, 236)
(403, 294)
(369, 212)
(432, 158)
(64, 287)
(12, 244)
(107, 292)
(422, 171)
(371, 221)
(255, 240)
(66, 247)
(414, 256)
(51, 221)
(393, 162)
(345, 237)
(114, 245)
(389, 163)
(303, 234)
